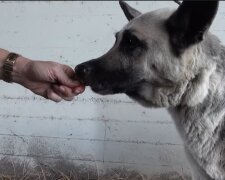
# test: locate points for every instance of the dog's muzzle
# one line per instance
(83, 71)
(103, 80)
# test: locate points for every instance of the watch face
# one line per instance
(12, 57)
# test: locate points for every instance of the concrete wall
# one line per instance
(105, 131)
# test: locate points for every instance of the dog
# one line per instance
(168, 58)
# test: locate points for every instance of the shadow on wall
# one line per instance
(12, 168)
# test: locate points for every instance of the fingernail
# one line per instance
(78, 91)
(62, 88)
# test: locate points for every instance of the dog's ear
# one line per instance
(189, 23)
(129, 12)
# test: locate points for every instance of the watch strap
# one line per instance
(8, 67)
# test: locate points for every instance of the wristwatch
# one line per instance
(8, 67)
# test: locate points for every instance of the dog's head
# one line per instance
(153, 57)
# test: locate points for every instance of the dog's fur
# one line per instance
(168, 58)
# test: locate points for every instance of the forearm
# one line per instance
(18, 68)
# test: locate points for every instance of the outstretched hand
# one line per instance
(49, 79)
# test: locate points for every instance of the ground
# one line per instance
(14, 169)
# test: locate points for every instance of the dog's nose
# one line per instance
(82, 70)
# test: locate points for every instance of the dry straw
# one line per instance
(11, 169)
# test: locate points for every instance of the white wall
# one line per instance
(107, 131)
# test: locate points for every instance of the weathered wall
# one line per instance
(106, 131)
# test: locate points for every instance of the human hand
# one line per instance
(49, 79)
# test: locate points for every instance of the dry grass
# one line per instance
(11, 169)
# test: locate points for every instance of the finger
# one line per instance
(67, 81)
(68, 98)
(53, 96)
(69, 71)
(78, 90)
(64, 92)
(67, 77)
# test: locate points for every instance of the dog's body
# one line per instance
(161, 59)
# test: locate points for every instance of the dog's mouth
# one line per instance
(106, 88)
(100, 88)
(109, 87)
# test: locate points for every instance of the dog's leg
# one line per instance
(197, 171)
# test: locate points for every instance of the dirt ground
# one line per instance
(11, 169)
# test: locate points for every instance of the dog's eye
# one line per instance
(131, 45)
(130, 42)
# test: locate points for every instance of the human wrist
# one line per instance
(18, 74)
(19, 70)
(3, 55)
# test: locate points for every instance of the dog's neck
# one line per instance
(202, 129)
(204, 74)
(200, 118)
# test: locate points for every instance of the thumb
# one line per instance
(66, 77)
